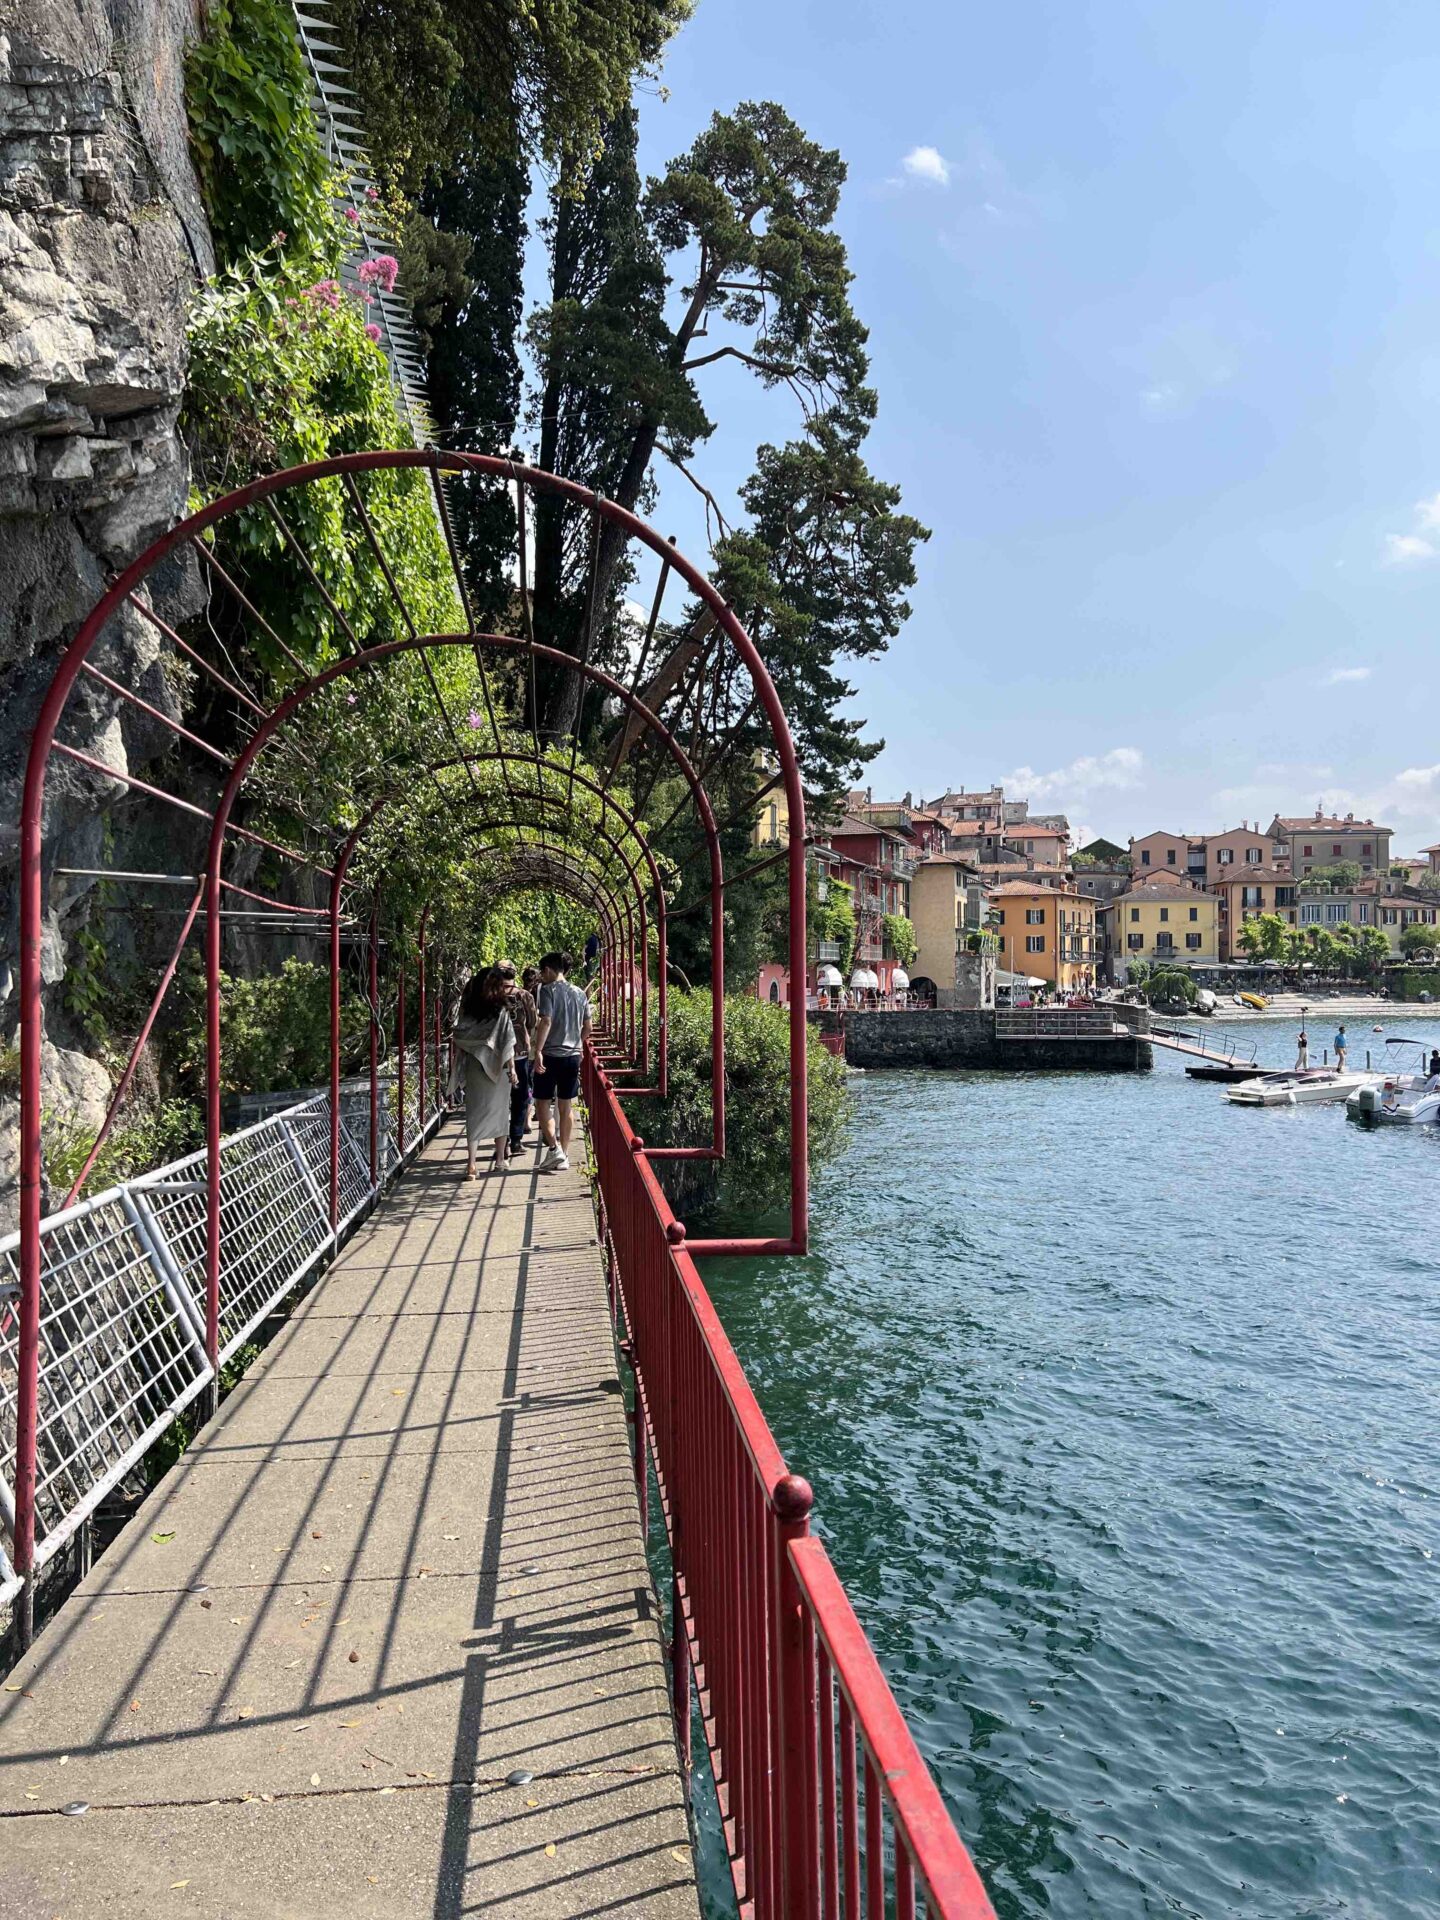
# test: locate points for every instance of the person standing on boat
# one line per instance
(1342, 1046)
(1302, 1052)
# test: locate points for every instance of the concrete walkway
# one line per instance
(384, 1642)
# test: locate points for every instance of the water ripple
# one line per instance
(1120, 1405)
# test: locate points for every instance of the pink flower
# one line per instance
(352, 216)
(372, 193)
(473, 721)
(324, 293)
(350, 700)
(367, 299)
(372, 332)
(379, 272)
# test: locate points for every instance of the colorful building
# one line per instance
(1325, 840)
(1247, 894)
(1166, 921)
(1046, 932)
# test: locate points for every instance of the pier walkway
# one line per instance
(383, 1642)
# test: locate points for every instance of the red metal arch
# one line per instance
(269, 721)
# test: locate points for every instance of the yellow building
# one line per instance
(1167, 923)
(1046, 932)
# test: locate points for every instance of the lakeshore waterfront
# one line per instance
(1120, 1405)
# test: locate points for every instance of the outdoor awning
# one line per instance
(829, 977)
(862, 980)
(899, 980)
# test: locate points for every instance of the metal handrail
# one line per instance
(803, 1731)
(122, 1329)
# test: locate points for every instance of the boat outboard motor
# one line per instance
(1368, 1102)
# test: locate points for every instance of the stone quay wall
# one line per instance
(967, 1037)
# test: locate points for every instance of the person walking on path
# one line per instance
(485, 1057)
(564, 1021)
(1302, 1052)
(1342, 1046)
(523, 1017)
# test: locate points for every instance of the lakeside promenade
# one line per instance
(384, 1641)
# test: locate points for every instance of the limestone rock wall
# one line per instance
(102, 239)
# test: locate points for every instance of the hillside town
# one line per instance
(971, 899)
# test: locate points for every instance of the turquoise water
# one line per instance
(1120, 1405)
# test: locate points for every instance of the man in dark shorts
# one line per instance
(564, 1019)
(523, 1016)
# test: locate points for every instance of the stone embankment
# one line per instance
(978, 1037)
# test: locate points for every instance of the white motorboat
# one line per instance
(1400, 1107)
(1404, 1095)
(1306, 1088)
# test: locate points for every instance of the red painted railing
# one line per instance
(823, 1794)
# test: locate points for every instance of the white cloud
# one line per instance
(928, 164)
(1338, 676)
(1091, 773)
(1403, 549)
(1427, 513)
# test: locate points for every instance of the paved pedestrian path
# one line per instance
(383, 1643)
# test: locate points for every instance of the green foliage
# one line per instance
(1264, 937)
(274, 1029)
(1340, 877)
(1408, 983)
(1167, 984)
(1417, 939)
(756, 1172)
(87, 993)
(182, 1430)
(522, 926)
(137, 1144)
(443, 81)
(835, 920)
(899, 936)
(252, 133)
(10, 1070)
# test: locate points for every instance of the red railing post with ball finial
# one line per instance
(793, 1653)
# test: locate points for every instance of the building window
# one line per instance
(1164, 913)
(1144, 856)
(1336, 849)
(1164, 943)
(1226, 856)
(1170, 856)
(1284, 896)
(1252, 856)
(1034, 943)
(1192, 940)
(1366, 847)
(1135, 941)
(1000, 917)
(1194, 913)
(1134, 913)
(1035, 916)
(1336, 911)
(1309, 913)
(1362, 912)
(1307, 851)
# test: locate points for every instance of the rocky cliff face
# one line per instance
(102, 239)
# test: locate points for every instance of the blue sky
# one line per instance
(1155, 324)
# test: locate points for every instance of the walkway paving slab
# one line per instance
(403, 1563)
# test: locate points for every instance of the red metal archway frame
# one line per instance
(625, 920)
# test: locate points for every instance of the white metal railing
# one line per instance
(122, 1316)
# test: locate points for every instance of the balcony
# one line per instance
(828, 950)
(867, 952)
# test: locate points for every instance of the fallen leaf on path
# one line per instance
(314, 1779)
(354, 1658)
(550, 1851)
(161, 1538)
(175, 1884)
(679, 1853)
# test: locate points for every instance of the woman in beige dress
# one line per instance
(485, 1053)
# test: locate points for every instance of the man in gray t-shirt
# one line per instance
(559, 1037)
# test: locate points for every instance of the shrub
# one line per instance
(755, 1175)
(274, 1029)
(137, 1144)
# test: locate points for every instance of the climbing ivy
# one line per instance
(899, 935)
(252, 133)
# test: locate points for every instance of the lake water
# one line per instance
(1122, 1408)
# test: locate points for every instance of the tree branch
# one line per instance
(712, 505)
(781, 369)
